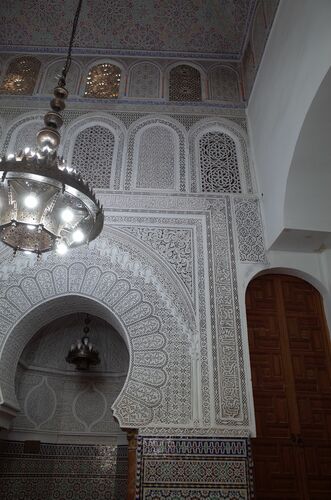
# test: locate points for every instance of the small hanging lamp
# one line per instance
(82, 354)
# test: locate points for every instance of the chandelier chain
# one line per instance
(62, 80)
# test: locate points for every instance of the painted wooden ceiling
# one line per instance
(181, 26)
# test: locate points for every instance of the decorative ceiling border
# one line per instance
(232, 56)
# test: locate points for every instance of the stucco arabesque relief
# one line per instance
(177, 256)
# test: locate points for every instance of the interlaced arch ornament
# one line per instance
(157, 150)
(92, 155)
(21, 76)
(219, 158)
(103, 81)
(94, 145)
(168, 133)
(144, 80)
(22, 133)
(184, 83)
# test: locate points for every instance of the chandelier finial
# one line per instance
(49, 137)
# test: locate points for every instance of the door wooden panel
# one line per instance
(291, 376)
(276, 469)
(318, 469)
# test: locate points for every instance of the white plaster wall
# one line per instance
(296, 59)
(308, 200)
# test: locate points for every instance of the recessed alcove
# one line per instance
(58, 402)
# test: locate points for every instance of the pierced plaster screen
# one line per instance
(25, 136)
(93, 154)
(144, 80)
(184, 84)
(103, 81)
(219, 164)
(21, 76)
(224, 85)
(156, 159)
(53, 74)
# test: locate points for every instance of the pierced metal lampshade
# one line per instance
(43, 204)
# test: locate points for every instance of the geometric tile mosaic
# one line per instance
(64, 472)
(195, 468)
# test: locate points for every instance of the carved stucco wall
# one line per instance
(166, 273)
(156, 279)
(108, 148)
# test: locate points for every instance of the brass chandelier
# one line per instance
(44, 205)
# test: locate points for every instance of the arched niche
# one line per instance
(224, 83)
(156, 158)
(82, 137)
(237, 150)
(60, 403)
(119, 286)
(144, 80)
(185, 81)
(52, 74)
(175, 132)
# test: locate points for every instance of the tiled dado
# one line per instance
(62, 472)
(193, 468)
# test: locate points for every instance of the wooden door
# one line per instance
(291, 376)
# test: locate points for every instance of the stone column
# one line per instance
(132, 462)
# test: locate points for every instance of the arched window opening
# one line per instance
(93, 155)
(219, 163)
(184, 84)
(21, 76)
(103, 81)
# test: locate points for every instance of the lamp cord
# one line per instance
(62, 80)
